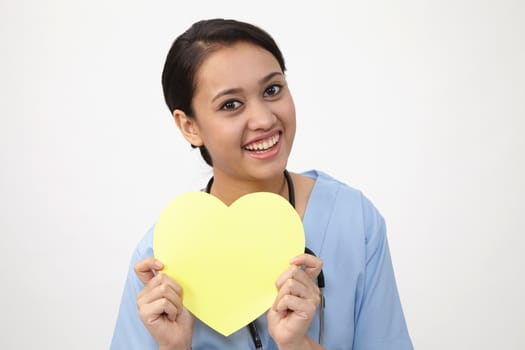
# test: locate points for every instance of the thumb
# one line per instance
(147, 269)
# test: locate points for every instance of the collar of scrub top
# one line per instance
(320, 278)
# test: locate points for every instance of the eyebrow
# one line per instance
(237, 90)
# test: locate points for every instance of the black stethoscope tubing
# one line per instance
(320, 278)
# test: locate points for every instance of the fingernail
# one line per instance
(158, 265)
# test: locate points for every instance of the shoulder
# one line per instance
(144, 248)
(344, 202)
(340, 191)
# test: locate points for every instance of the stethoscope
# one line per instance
(320, 278)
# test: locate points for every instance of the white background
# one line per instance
(420, 104)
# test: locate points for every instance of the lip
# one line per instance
(268, 154)
(262, 137)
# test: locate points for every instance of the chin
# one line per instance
(269, 171)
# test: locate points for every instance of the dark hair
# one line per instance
(191, 48)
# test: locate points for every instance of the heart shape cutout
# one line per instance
(227, 259)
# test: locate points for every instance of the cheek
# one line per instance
(288, 113)
(224, 134)
(290, 120)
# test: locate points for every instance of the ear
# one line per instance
(188, 127)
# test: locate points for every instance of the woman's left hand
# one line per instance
(297, 300)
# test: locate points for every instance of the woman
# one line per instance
(225, 86)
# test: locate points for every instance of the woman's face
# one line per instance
(244, 112)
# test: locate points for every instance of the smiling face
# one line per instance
(244, 114)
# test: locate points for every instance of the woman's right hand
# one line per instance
(160, 307)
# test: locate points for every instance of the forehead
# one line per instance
(235, 66)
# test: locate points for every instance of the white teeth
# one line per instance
(263, 145)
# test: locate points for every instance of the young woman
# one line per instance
(225, 85)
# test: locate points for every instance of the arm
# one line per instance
(379, 320)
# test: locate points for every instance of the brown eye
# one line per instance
(272, 90)
(230, 105)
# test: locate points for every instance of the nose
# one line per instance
(261, 116)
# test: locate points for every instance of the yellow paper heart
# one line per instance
(227, 259)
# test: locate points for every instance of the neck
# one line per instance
(229, 190)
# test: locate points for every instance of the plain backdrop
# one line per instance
(420, 104)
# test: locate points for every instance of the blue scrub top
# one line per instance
(363, 310)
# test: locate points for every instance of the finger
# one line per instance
(303, 277)
(294, 287)
(151, 312)
(146, 269)
(299, 285)
(162, 291)
(312, 264)
(295, 273)
(286, 275)
(160, 279)
(304, 308)
(291, 287)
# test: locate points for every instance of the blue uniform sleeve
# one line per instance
(130, 333)
(379, 320)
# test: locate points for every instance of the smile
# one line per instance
(263, 145)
